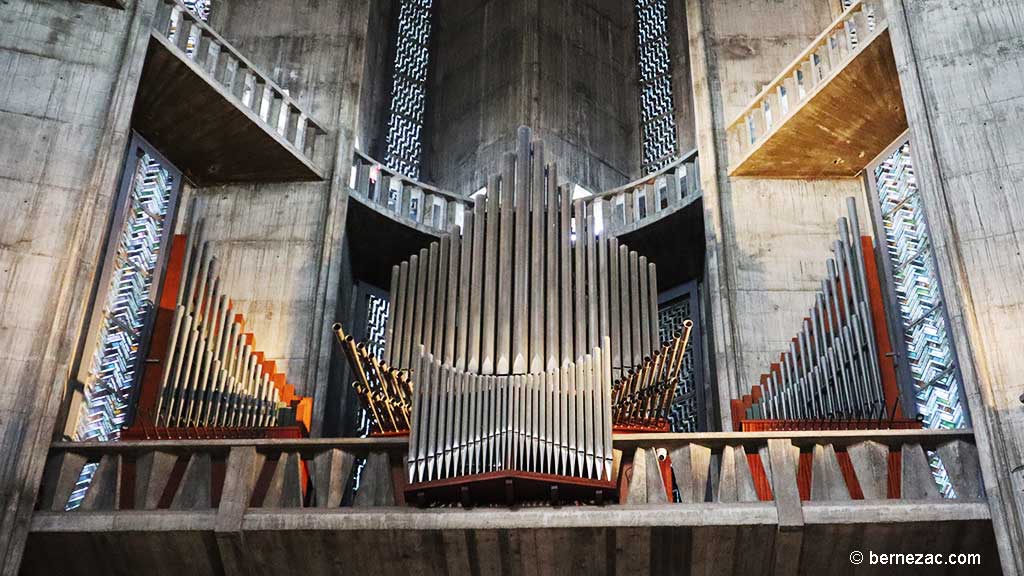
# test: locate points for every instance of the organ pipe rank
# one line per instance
(503, 343)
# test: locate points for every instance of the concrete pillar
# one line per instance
(567, 69)
(961, 67)
(70, 73)
(767, 240)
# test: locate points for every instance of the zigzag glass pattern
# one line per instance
(657, 108)
(200, 8)
(125, 310)
(409, 88)
(922, 310)
(919, 297)
(377, 310)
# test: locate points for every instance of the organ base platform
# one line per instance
(507, 487)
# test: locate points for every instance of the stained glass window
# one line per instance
(922, 310)
(928, 346)
(127, 303)
(659, 142)
(200, 8)
(376, 324)
(404, 144)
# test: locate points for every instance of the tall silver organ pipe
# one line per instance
(529, 283)
(513, 329)
(212, 377)
(830, 370)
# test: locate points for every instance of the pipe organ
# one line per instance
(833, 373)
(386, 392)
(513, 332)
(211, 379)
(529, 285)
(641, 400)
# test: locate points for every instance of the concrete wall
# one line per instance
(567, 69)
(374, 105)
(682, 83)
(961, 67)
(768, 240)
(282, 242)
(68, 72)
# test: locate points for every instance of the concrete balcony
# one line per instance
(420, 206)
(651, 198)
(393, 216)
(747, 504)
(660, 215)
(831, 111)
(213, 113)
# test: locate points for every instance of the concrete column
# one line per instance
(961, 67)
(567, 69)
(767, 240)
(682, 85)
(70, 73)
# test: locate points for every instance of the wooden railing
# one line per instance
(641, 201)
(829, 52)
(785, 467)
(238, 78)
(406, 199)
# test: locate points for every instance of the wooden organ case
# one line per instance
(515, 344)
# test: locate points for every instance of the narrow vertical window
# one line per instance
(659, 142)
(928, 359)
(377, 309)
(409, 88)
(922, 310)
(201, 8)
(122, 321)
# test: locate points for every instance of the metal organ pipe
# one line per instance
(831, 369)
(213, 377)
(535, 315)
